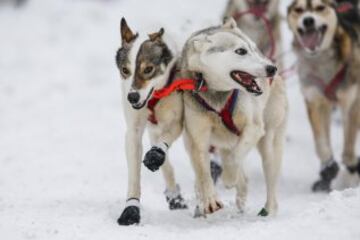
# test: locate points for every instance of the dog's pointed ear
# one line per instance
(157, 35)
(127, 35)
(229, 23)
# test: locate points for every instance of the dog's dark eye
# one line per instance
(299, 10)
(241, 51)
(320, 8)
(125, 71)
(148, 70)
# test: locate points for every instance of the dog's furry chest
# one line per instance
(319, 72)
(247, 117)
(323, 67)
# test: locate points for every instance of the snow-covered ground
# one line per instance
(62, 164)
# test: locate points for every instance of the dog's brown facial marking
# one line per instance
(122, 56)
(314, 23)
(152, 60)
(123, 62)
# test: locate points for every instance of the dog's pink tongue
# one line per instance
(310, 40)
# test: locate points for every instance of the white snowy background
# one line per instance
(63, 171)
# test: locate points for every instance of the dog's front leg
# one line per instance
(133, 148)
(197, 144)
(159, 134)
(162, 136)
(319, 112)
(351, 118)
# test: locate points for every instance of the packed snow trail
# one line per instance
(63, 171)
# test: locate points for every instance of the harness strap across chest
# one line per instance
(329, 90)
(226, 114)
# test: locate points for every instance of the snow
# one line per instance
(63, 170)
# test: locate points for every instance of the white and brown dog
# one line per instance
(326, 44)
(147, 64)
(241, 109)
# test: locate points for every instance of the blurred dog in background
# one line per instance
(327, 46)
(260, 20)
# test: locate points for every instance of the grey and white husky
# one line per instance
(146, 64)
(245, 107)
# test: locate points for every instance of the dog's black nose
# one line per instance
(133, 97)
(271, 70)
(309, 22)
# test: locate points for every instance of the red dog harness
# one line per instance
(330, 89)
(184, 84)
(181, 84)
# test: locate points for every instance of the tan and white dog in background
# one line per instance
(261, 21)
(327, 46)
(146, 64)
(241, 110)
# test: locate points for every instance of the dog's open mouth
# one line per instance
(141, 105)
(311, 39)
(247, 81)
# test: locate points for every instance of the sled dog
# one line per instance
(327, 46)
(146, 64)
(245, 106)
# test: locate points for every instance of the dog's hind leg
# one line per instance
(131, 213)
(230, 168)
(172, 192)
(319, 112)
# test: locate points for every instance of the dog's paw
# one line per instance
(354, 169)
(198, 213)
(321, 186)
(270, 209)
(130, 216)
(154, 159)
(216, 171)
(263, 213)
(177, 203)
(328, 174)
(175, 200)
(212, 205)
